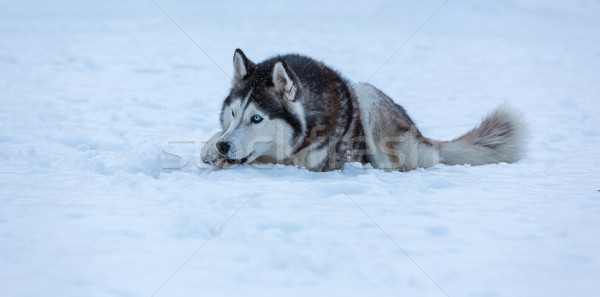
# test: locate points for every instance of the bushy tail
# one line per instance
(501, 137)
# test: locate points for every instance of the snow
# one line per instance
(96, 94)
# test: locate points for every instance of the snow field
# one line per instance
(92, 93)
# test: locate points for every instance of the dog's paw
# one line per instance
(213, 160)
(216, 160)
(209, 153)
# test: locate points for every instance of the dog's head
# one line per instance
(263, 115)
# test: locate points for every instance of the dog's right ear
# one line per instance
(241, 66)
(283, 80)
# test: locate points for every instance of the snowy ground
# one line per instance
(92, 92)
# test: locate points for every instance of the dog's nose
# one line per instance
(223, 147)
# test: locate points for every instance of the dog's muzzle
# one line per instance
(223, 147)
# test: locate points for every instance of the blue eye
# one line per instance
(256, 119)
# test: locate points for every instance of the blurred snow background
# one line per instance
(91, 93)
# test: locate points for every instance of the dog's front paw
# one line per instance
(216, 160)
(213, 160)
(210, 155)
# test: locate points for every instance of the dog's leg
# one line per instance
(393, 141)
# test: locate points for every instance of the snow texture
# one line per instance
(99, 98)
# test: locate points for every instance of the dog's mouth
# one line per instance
(238, 161)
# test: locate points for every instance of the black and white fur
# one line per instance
(292, 109)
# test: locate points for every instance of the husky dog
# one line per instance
(294, 110)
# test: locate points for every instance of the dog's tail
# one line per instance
(501, 137)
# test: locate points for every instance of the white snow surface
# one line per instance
(94, 92)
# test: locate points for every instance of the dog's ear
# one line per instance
(282, 79)
(241, 66)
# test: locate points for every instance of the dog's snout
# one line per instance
(223, 147)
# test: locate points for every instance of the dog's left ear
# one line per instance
(282, 79)
(241, 66)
